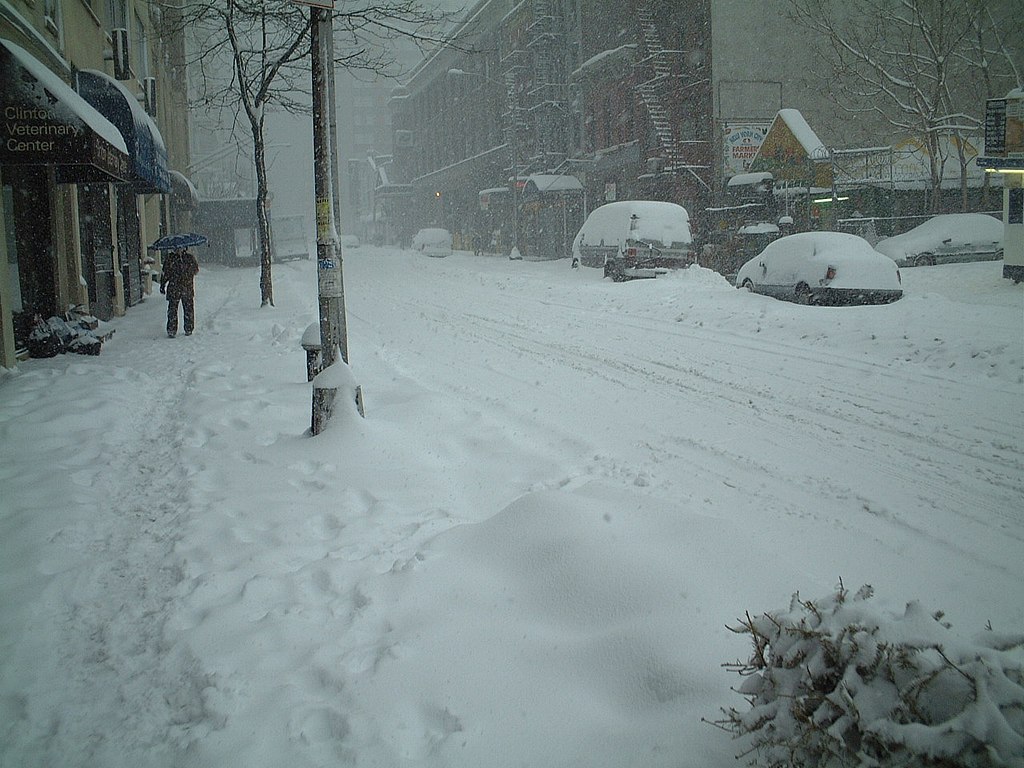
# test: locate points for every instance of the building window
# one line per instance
(141, 49)
(117, 14)
(52, 18)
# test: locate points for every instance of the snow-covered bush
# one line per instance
(834, 683)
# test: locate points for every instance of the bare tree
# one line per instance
(251, 56)
(924, 67)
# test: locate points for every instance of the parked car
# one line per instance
(947, 238)
(828, 268)
(349, 241)
(635, 238)
(728, 251)
(433, 242)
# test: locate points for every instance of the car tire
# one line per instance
(924, 260)
(614, 271)
(803, 294)
(748, 286)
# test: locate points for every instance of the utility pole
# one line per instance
(513, 142)
(330, 281)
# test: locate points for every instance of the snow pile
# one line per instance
(834, 682)
(539, 608)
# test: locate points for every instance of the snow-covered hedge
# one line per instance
(834, 683)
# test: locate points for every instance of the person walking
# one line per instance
(177, 281)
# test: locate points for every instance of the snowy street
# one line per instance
(526, 554)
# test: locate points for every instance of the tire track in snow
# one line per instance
(894, 435)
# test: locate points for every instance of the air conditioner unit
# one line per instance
(119, 53)
(149, 95)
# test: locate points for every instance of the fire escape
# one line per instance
(546, 95)
(514, 70)
(660, 88)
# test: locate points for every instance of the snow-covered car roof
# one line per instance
(655, 222)
(760, 228)
(433, 235)
(960, 229)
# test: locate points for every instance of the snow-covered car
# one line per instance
(349, 241)
(635, 238)
(433, 242)
(946, 238)
(827, 268)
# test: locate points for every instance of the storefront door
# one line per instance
(97, 248)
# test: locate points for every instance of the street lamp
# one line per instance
(509, 86)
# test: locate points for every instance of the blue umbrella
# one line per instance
(175, 242)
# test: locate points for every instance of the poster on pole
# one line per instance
(328, 265)
(328, 276)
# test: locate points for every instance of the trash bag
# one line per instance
(65, 331)
(86, 344)
(45, 342)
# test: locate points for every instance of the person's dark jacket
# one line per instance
(180, 269)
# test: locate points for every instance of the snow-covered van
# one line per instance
(635, 238)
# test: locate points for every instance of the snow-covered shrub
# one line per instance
(833, 683)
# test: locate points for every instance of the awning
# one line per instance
(551, 184)
(46, 123)
(183, 191)
(496, 194)
(750, 179)
(145, 144)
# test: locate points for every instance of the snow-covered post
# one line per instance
(326, 386)
(311, 346)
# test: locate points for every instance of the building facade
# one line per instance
(94, 135)
(635, 99)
